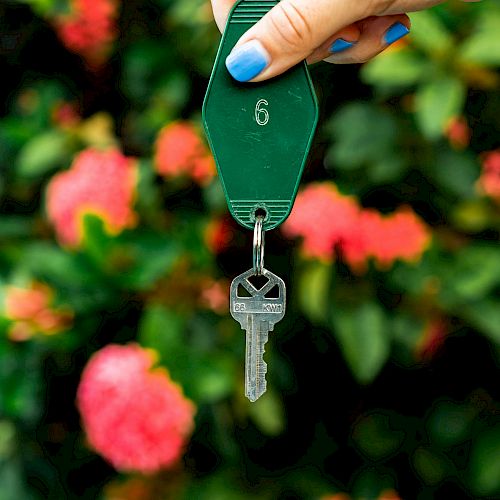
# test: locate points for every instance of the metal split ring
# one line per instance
(258, 245)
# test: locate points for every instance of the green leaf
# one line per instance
(483, 47)
(43, 153)
(15, 226)
(147, 257)
(476, 271)
(485, 316)
(375, 438)
(429, 466)
(213, 377)
(400, 68)
(206, 376)
(356, 140)
(161, 329)
(364, 339)
(96, 241)
(268, 414)
(437, 102)
(357, 143)
(43, 7)
(484, 466)
(314, 288)
(429, 34)
(370, 482)
(472, 215)
(455, 172)
(450, 423)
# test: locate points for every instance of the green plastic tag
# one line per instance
(260, 133)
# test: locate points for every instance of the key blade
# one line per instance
(255, 366)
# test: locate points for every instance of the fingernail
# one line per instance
(340, 45)
(395, 32)
(248, 60)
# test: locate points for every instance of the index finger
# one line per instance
(221, 10)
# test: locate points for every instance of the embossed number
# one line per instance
(261, 113)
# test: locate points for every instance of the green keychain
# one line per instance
(260, 135)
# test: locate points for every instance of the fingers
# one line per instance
(221, 9)
(337, 43)
(375, 35)
(287, 34)
(294, 29)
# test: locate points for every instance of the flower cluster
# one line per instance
(180, 151)
(329, 221)
(89, 29)
(133, 414)
(489, 182)
(99, 182)
(30, 311)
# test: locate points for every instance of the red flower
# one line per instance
(89, 29)
(180, 151)
(400, 235)
(489, 182)
(134, 415)
(323, 217)
(218, 234)
(98, 182)
(328, 220)
(458, 132)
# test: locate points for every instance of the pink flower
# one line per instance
(214, 296)
(180, 151)
(89, 29)
(328, 221)
(323, 218)
(489, 182)
(133, 414)
(98, 182)
(400, 235)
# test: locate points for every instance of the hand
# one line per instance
(338, 31)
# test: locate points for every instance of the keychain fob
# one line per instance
(260, 133)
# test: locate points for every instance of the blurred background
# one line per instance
(121, 371)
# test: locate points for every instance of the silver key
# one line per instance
(257, 314)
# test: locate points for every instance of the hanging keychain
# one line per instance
(260, 135)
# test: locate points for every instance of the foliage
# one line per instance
(383, 375)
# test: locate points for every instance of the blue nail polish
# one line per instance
(395, 32)
(340, 45)
(247, 61)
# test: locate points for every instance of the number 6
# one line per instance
(261, 114)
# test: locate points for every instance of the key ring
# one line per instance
(258, 246)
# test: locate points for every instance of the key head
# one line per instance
(265, 303)
(260, 133)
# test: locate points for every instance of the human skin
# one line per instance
(295, 30)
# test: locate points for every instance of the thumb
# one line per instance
(289, 33)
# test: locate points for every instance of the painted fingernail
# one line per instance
(395, 32)
(248, 60)
(340, 45)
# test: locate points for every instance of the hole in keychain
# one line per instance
(260, 212)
